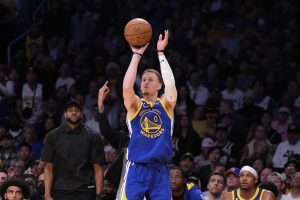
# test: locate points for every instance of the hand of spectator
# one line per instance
(48, 198)
(162, 42)
(103, 91)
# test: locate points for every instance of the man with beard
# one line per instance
(72, 155)
(248, 187)
(182, 190)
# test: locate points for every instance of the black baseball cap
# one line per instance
(73, 103)
(294, 129)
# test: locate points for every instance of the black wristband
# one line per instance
(138, 53)
(159, 50)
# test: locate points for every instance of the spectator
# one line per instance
(186, 164)
(282, 123)
(64, 78)
(266, 120)
(202, 159)
(24, 153)
(290, 168)
(181, 188)
(287, 148)
(3, 176)
(215, 186)
(8, 151)
(14, 189)
(232, 179)
(231, 93)
(265, 173)
(278, 180)
(198, 93)
(295, 193)
(184, 104)
(72, 151)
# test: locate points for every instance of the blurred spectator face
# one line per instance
(221, 135)
(215, 155)
(265, 174)
(220, 168)
(293, 138)
(13, 75)
(49, 124)
(290, 169)
(177, 180)
(186, 164)
(198, 112)
(260, 133)
(29, 134)
(93, 90)
(212, 70)
(7, 143)
(216, 185)
(31, 77)
(283, 117)
(261, 147)
(61, 92)
(230, 83)
(266, 119)
(296, 180)
(24, 153)
(183, 92)
(277, 182)
(184, 121)
(247, 180)
(258, 165)
(195, 79)
(3, 177)
(258, 88)
(232, 181)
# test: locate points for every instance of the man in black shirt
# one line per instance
(72, 155)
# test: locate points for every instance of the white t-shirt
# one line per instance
(289, 197)
(235, 96)
(283, 151)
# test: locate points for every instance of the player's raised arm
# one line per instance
(131, 100)
(170, 95)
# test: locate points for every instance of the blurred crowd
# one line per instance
(236, 66)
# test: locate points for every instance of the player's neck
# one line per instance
(177, 193)
(247, 193)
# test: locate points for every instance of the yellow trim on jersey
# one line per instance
(261, 194)
(136, 112)
(252, 198)
(232, 195)
(164, 107)
(190, 185)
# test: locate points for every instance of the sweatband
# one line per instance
(251, 170)
(168, 78)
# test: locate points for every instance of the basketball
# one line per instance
(138, 32)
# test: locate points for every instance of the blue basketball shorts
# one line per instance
(146, 180)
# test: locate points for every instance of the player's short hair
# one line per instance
(156, 73)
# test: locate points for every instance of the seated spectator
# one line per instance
(204, 127)
(232, 179)
(290, 168)
(214, 155)
(215, 186)
(184, 104)
(181, 189)
(3, 176)
(295, 190)
(281, 124)
(186, 164)
(16, 189)
(202, 159)
(287, 148)
(198, 93)
(25, 153)
(265, 173)
(231, 93)
(16, 169)
(8, 151)
(266, 122)
(278, 180)
(230, 152)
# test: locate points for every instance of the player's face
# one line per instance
(247, 180)
(13, 193)
(150, 83)
(216, 184)
(73, 115)
(232, 181)
(177, 181)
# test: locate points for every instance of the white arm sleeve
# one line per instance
(168, 78)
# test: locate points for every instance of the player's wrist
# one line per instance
(138, 54)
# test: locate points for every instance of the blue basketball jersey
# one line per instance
(257, 196)
(150, 130)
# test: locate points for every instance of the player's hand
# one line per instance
(163, 42)
(48, 198)
(103, 91)
(139, 50)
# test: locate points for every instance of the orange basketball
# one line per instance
(138, 32)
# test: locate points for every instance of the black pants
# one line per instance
(74, 195)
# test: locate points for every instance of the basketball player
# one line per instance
(150, 124)
(248, 188)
